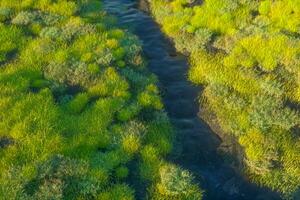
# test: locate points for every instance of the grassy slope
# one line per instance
(78, 108)
(246, 53)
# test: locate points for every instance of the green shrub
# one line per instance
(40, 83)
(11, 39)
(50, 32)
(24, 18)
(78, 103)
(117, 192)
(121, 172)
(121, 63)
(5, 14)
(150, 98)
(129, 112)
(67, 8)
(119, 53)
(100, 175)
(160, 134)
(112, 43)
(151, 162)
(60, 178)
(93, 68)
(116, 33)
(175, 182)
(131, 143)
(71, 73)
(260, 151)
(265, 7)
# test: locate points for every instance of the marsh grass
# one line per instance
(77, 104)
(247, 57)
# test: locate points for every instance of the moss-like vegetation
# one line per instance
(246, 54)
(78, 109)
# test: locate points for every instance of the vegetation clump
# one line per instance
(80, 115)
(246, 54)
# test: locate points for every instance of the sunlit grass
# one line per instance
(248, 61)
(77, 105)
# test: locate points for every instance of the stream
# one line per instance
(197, 144)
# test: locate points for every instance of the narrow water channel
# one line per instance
(197, 142)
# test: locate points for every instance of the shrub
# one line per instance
(67, 8)
(11, 39)
(190, 42)
(51, 19)
(160, 134)
(129, 112)
(203, 36)
(105, 59)
(112, 43)
(93, 68)
(150, 98)
(78, 103)
(177, 182)
(24, 18)
(51, 33)
(5, 14)
(264, 7)
(121, 63)
(260, 151)
(71, 72)
(100, 175)
(131, 143)
(40, 83)
(61, 177)
(116, 33)
(119, 53)
(151, 161)
(117, 192)
(75, 27)
(264, 107)
(121, 172)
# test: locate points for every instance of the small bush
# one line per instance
(129, 112)
(11, 39)
(112, 43)
(51, 33)
(24, 18)
(117, 192)
(150, 164)
(121, 172)
(94, 69)
(119, 53)
(5, 14)
(150, 98)
(78, 103)
(131, 143)
(121, 63)
(64, 8)
(40, 83)
(116, 33)
(177, 182)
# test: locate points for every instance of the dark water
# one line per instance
(198, 144)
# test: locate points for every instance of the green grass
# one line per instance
(246, 54)
(78, 106)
